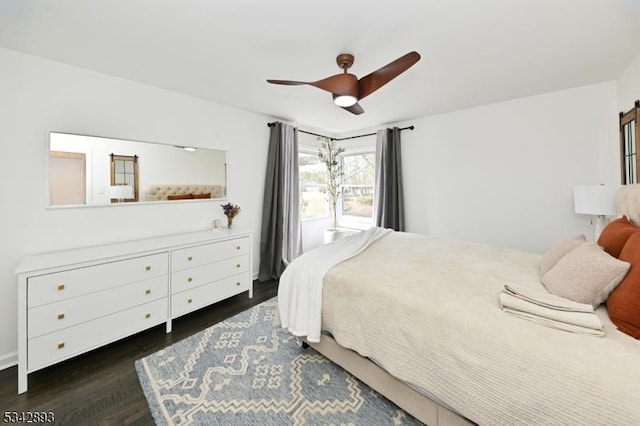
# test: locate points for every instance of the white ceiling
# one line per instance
(473, 51)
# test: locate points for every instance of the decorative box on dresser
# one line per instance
(73, 301)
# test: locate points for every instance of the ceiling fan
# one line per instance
(347, 89)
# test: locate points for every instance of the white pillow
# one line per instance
(558, 251)
(587, 274)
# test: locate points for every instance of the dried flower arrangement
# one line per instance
(231, 211)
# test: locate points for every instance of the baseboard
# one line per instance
(8, 360)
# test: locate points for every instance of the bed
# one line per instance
(418, 318)
(182, 192)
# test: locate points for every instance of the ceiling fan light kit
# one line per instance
(344, 100)
(347, 90)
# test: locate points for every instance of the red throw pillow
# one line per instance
(615, 235)
(180, 197)
(623, 304)
(207, 195)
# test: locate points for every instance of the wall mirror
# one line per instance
(94, 171)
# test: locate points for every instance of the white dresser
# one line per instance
(204, 274)
(73, 301)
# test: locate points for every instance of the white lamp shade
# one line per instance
(597, 200)
(121, 192)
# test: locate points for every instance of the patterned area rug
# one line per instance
(243, 371)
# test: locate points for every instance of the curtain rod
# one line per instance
(340, 139)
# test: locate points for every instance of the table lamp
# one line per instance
(596, 200)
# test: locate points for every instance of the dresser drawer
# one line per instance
(58, 286)
(69, 312)
(194, 277)
(207, 253)
(196, 298)
(54, 347)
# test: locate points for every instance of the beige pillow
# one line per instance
(587, 274)
(558, 251)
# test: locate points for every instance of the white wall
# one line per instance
(628, 85)
(504, 173)
(38, 96)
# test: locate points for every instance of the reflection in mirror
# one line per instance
(90, 171)
(67, 183)
(124, 178)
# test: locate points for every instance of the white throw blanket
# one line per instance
(300, 302)
(550, 310)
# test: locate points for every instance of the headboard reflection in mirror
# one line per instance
(95, 171)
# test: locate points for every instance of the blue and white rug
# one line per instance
(243, 371)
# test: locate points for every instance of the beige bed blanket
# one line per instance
(427, 310)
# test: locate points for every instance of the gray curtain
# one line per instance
(281, 235)
(389, 204)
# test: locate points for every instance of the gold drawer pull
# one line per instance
(147, 291)
(237, 247)
(60, 287)
(147, 268)
(238, 265)
(147, 316)
(238, 284)
(190, 300)
(61, 316)
(61, 345)
(189, 279)
(190, 258)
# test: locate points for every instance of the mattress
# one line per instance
(427, 311)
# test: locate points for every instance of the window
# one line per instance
(629, 128)
(124, 178)
(357, 189)
(358, 184)
(312, 177)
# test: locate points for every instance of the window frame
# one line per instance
(629, 149)
(125, 160)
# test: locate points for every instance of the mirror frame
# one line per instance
(113, 152)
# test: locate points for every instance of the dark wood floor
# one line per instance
(102, 387)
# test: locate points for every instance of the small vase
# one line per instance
(229, 222)
(334, 234)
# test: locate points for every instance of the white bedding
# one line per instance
(300, 286)
(427, 310)
(552, 311)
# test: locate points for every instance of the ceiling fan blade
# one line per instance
(287, 82)
(354, 109)
(339, 84)
(372, 82)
